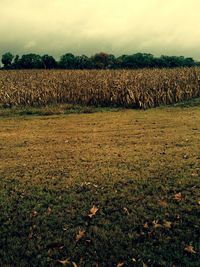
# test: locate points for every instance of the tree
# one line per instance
(7, 59)
(103, 61)
(67, 61)
(83, 62)
(189, 62)
(16, 62)
(138, 60)
(31, 61)
(49, 62)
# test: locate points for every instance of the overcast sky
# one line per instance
(170, 27)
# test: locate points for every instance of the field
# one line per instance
(103, 189)
(126, 88)
(85, 182)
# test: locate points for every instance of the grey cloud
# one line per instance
(89, 26)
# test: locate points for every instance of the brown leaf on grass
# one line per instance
(48, 212)
(126, 210)
(156, 224)
(80, 235)
(167, 224)
(34, 213)
(64, 262)
(190, 249)
(74, 264)
(194, 174)
(54, 245)
(163, 203)
(199, 202)
(146, 225)
(178, 196)
(93, 211)
(144, 265)
(120, 264)
(30, 233)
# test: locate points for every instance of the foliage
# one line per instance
(84, 62)
(31, 61)
(7, 59)
(98, 61)
(103, 61)
(67, 61)
(49, 62)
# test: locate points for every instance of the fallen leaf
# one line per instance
(167, 224)
(35, 213)
(163, 203)
(64, 262)
(93, 211)
(30, 233)
(195, 174)
(190, 249)
(74, 264)
(199, 203)
(120, 264)
(178, 196)
(144, 265)
(80, 235)
(146, 225)
(48, 212)
(156, 224)
(54, 245)
(126, 210)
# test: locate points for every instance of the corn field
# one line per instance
(128, 88)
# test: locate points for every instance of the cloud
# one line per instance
(89, 26)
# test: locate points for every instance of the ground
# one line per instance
(114, 188)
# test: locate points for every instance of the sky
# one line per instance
(160, 27)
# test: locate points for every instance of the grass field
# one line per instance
(101, 189)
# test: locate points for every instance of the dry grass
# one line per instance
(87, 146)
(127, 88)
(129, 164)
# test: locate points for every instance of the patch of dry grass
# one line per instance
(118, 144)
(129, 164)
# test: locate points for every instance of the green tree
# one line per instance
(31, 61)
(16, 62)
(7, 59)
(83, 62)
(49, 62)
(67, 61)
(103, 61)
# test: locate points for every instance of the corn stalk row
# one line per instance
(128, 88)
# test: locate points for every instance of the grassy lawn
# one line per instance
(101, 189)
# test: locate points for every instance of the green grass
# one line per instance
(39, 225)
(64, 109)
(195, 102)
(53, 110)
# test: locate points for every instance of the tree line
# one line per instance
(98, 61)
